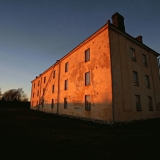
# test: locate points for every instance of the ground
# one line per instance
(29, 134)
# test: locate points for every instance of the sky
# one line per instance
(34, 34)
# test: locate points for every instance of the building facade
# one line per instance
(111, 76)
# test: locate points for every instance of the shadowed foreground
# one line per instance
(28, 134)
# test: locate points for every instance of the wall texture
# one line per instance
(124, 90)
(99, 90)
(112, 90)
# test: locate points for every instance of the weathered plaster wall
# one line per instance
(100, 78)
(100, 88)
(47, 86)
(34, 92)
(124, 90)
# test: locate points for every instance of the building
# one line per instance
(111, 76)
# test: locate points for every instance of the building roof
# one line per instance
(111, 26)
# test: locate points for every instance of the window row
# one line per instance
(87, 58)
(87, 103)
(44, 79)
(65, 86)
(136, 82)
(133, 56)
(38, 84)
(87, 82)
(37, 94)
(138, 103)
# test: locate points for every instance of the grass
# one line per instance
(29, 134)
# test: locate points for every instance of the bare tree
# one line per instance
(15, 95)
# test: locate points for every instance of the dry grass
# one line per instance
(28, 134)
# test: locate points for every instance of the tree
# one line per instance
(15, 95)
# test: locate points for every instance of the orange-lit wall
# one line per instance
(124, 90)
(100, 88)
(112, 90)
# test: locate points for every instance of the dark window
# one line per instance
(135, 78)
(87, 102)
(87, 55)
(147, 81)
(43, 91)
(42, 103)
(33, 94)
(52, 105)
(38, 93)
(34, 85)
(87, 78)
(133, 54)
(65, 103)
(138, 103)
(38, 83)
(66, 84)
(54, 74)
(150, 104)
(44, 79)
(66, 67)
(144, 58)
(53, 89)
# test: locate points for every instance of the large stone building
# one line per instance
(111, 76)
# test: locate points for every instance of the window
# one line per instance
(52, 104)
(87, 55)
(53, 89)
(34, 85)
(66, 85)
(65, 103)
(37, 93)
(87, 102)
(43, 91)
(135, 78)
(147, 81)
(42, 103)
(144, 58)
(138, 104)
(38, 83)
(54, 74)
(87, 78)
(66, 67)
(150, 103)
(33, 94)
(44, 79)
(133, 54)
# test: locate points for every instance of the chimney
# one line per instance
(139, 38)
(118, 21)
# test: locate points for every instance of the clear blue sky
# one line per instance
(35, 33)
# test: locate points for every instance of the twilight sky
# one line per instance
(36, 33)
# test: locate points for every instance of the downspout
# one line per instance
(108, 22)
(59, 68)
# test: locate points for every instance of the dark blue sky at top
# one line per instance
(35, 33)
